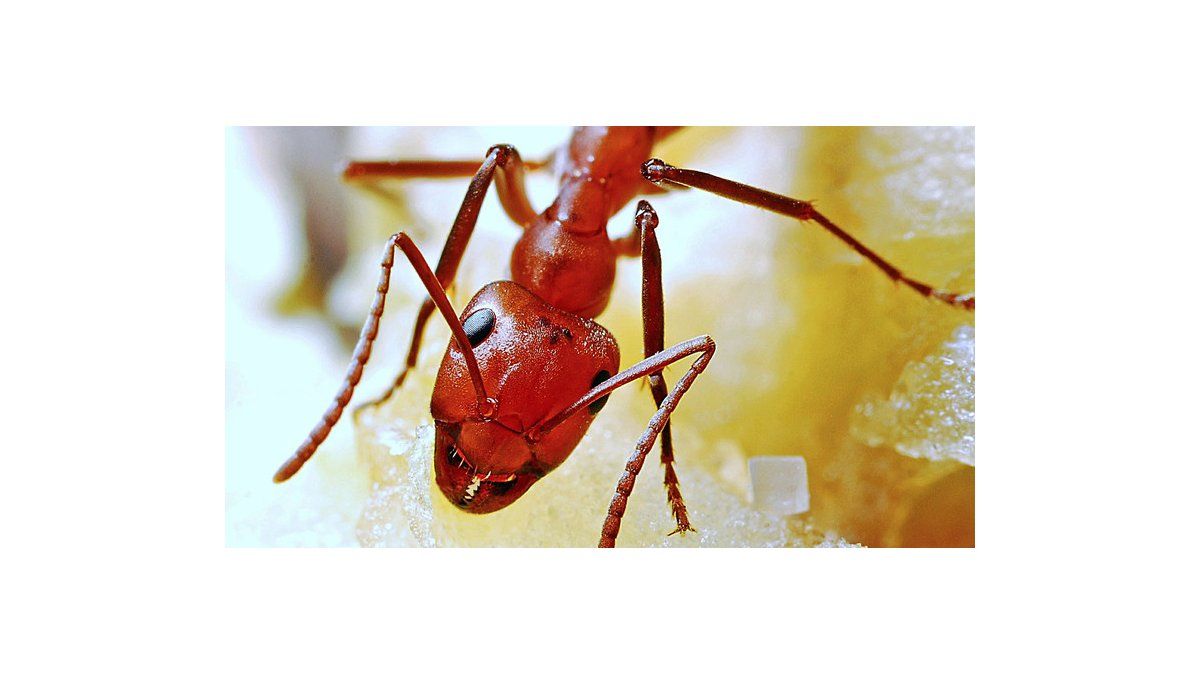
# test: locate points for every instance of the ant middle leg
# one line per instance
(653, 334)
(658, 172)
(502, 163)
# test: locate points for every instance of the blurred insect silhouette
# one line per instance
(527, 369)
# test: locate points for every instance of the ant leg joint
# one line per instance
(964, 300)
(654, 170)
(504, 153)
(646, 215)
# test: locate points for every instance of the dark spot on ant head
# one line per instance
(560, 332)
(554, 332)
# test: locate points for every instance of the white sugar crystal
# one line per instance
(930, 412)
(779, 485)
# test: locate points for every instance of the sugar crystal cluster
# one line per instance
(567, 508)
(930, 412)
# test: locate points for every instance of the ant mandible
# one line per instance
(527, 369)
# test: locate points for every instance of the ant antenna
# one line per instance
(486, 405)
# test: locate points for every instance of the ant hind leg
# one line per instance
(659, 172)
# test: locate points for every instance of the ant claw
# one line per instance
(681, 529)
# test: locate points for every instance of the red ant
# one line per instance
(528, 369)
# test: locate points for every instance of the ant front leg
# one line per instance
(503, 163)
(658, 172)
(653, 334)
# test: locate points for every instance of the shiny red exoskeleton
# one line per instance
(528, 369)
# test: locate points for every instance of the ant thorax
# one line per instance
(569, 270)
(535, 361)
(565, 256)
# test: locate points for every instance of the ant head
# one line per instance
(535, 361)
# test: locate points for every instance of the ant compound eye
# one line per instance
(598, 404)
(479, 325)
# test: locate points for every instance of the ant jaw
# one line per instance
(470, 488)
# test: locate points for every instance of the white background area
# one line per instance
(113, 482)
